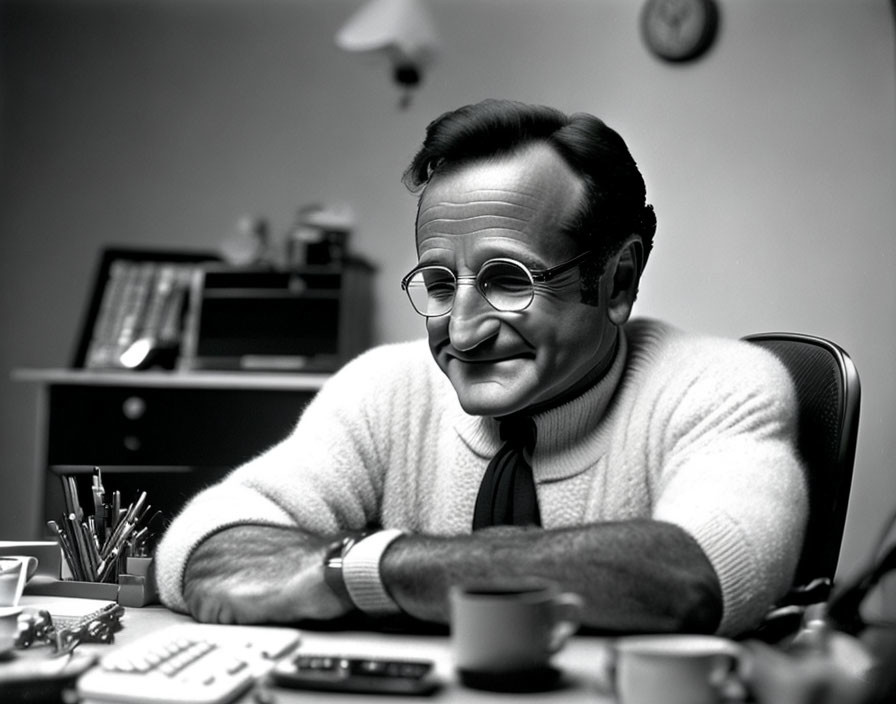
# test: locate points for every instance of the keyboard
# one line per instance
(191, 663)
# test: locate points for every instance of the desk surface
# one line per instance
(278, 381)
(583, 661)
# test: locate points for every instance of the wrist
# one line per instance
(362, 574)
(334, 561)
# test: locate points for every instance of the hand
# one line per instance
(775, 677)
(259, 574)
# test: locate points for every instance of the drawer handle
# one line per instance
(131, 442)
(133, 407)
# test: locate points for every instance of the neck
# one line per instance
(594, 375)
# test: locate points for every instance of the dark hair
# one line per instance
(615, 204)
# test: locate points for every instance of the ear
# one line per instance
(626, 269)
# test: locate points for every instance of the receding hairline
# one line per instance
(534, 152)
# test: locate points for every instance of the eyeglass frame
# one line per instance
(536, 276)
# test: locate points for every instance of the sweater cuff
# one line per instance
(361, 571)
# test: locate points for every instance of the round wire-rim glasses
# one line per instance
(506, 284)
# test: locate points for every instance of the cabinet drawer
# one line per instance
(167, 426)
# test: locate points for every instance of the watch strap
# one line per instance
(333, 569)
(361, 572)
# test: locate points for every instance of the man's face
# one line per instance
(499, 362)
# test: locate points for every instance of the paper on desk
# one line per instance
(64, 607)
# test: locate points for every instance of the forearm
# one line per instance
(257, 574)
(633, 575)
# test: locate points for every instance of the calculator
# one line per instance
(369, 675)
(187, 663)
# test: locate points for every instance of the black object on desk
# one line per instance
(328, 672)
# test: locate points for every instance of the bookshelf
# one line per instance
(153, 309)
(243, 352)
(136, 293)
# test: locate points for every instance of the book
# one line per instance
(101, 351)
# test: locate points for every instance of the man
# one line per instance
(540, 434)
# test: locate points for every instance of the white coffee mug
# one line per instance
(9, 627)
(674, 669)
(510, 628)
(15, 571)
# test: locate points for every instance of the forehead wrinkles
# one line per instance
(478, 210)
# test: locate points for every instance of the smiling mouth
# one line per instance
(489, 360)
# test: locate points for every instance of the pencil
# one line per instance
(67, 494)
(76, 504)
(129, 517)
(116, 507)
(61, 538)
(90, 551)
(78, 540)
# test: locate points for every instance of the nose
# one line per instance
(471, 322)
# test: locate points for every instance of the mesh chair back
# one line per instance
(828, 394)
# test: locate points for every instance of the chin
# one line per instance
(493, 390)
(494, 405)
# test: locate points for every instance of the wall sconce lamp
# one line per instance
(402, 30)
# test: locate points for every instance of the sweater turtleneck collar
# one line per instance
(567, 440)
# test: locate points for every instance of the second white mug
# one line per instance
(674, 669)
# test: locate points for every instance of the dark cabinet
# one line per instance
(167, 433)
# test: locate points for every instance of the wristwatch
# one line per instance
(333, 576)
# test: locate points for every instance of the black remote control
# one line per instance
(372, 675)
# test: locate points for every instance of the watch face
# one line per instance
(679, 30)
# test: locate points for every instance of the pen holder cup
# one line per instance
(137, 584)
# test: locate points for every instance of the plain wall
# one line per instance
(770, 161)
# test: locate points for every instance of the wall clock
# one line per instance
(679, 30)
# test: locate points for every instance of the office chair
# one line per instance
(828, 396)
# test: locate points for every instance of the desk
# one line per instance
(583, 661)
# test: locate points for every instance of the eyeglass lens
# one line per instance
(507, 286)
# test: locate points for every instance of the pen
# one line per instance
(66, 548)
(90, 550)
(141, 519)
(99, 508)
(76, 505)
(116, 507)
(122, 539)
(105, 565)
(138, 507)
(135, 543)
(115, 538)
(66, 494)
(80, 545)
(125, 526)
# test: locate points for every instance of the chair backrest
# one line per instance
(828, 395)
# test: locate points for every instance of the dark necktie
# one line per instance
(507, 493)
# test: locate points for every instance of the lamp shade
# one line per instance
(403, 29)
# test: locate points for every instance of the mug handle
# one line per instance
(724, 676)
(568, 614)
(29, 567)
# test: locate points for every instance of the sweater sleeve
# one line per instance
(327, 475)
(732, 477)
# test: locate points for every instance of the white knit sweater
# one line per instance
(697, 431)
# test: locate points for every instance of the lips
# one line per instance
(491, 359)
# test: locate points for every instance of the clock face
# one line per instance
(679, 30)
